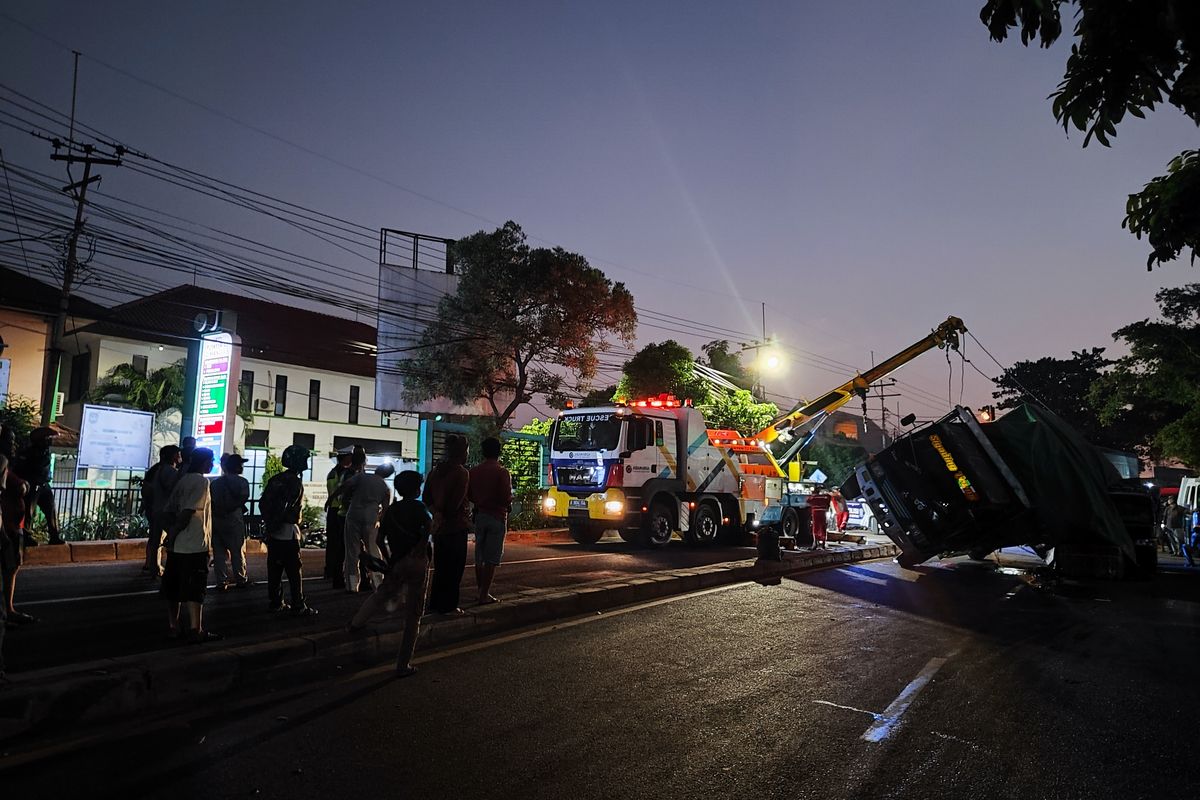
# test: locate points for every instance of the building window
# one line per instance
(353, 405)
(257, 438)
(314, 399)
(280, 395)
(846, 428)
(246, 392)
(140, 365)
(306, 440)
(81, 368)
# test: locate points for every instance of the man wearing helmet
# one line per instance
(281, 505)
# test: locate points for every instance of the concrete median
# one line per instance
(48, 700)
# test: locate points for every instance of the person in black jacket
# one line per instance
(405, 543)
(281, 505)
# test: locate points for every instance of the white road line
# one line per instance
(560, 558)
(886, 722)
(858, 576)
(849, 708)
(143, 593)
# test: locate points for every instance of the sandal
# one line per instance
(305, 611)
(404, 672)
(17, 618)
(204, 636)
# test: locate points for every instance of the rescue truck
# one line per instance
(652, 467)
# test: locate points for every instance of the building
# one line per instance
(27, 310)
(306, 378)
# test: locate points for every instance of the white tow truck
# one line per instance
(652, 467)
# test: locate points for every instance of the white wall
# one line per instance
(25, 335)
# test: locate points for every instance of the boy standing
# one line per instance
(490, 489)
(230, 493)
(189, 537)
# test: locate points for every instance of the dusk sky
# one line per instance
(865, 169)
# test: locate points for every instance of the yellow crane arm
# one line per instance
(943, 336)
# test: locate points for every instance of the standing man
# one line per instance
(189, 538)
(446, 498)
(157, 485)
(14, 508)
(282, 504)
(335, 520)
(33, 465)
(818, 503)
(230, 493)
(370, 496)
(490, 490)
(841, 511)
(1174, 526)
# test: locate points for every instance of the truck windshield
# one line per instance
(587, 432)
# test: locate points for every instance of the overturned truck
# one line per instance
(958, 486)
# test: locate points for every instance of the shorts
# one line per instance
(489, 539)
(185, 577)
(10, 553)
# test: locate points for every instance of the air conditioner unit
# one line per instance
(262, 405)
(60, 399)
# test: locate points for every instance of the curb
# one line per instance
(135, 549)
(100, 692)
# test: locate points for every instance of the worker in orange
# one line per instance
(818, 504)
(841, 510)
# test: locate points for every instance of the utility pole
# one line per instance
(53, 365)
(881, 387)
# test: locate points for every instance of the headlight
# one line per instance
(549, 504)
(614, 507)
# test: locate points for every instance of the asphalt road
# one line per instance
(959, 680)
(108, 609)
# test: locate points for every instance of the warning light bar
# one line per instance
(662, 401)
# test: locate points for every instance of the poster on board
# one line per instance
(115, 438)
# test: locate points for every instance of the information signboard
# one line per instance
(215, 403)
(115, 438)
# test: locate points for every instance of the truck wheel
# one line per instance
(658, 526)
(586, 534)
(706, 525)
(791, 525)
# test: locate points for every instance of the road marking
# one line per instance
(857, 574)
(886, 722)
(57, 600)
(551, 628)
(848, 708)
(948, 737)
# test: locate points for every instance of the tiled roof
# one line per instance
(269, 331)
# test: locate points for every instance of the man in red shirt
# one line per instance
(490, 489)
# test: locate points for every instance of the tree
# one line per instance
(718, 356)
(1128, 57)
(1158, 383)
(521, 320)
(598, 397)
(737, 411)
(1064, 385)
(836, 460)
(663, 368)
(158, 391)
(19, 414)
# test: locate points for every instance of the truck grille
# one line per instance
(579, 476)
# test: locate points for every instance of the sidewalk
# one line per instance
(295, 651)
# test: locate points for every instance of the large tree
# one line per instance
(737, 411)
(662, 368)
(717, 354)
(1159, 381)
(522, 322)
(1064, 385)
(1128, 57)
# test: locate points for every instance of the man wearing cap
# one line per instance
(230, 493)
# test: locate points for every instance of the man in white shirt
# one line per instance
(370, 496)
(189, 537)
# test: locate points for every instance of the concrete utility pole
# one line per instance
(53, 365)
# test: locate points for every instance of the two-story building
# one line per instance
(306, 378)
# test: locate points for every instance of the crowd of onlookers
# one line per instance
(384, 533)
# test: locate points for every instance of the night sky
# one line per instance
(863, 168)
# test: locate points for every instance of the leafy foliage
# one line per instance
(1158, 383)
(718, 356)
(21, 415)
(1128, 57)
(520, 318)
(598, 397)
(272, 467)
(663, 368)
(524, 463)
(835, 460)
(737, 411)
(159, 391)
(1064, 385)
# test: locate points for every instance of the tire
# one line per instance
(658, 525)
(790, 524)
(705, 527)
(586, 534)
